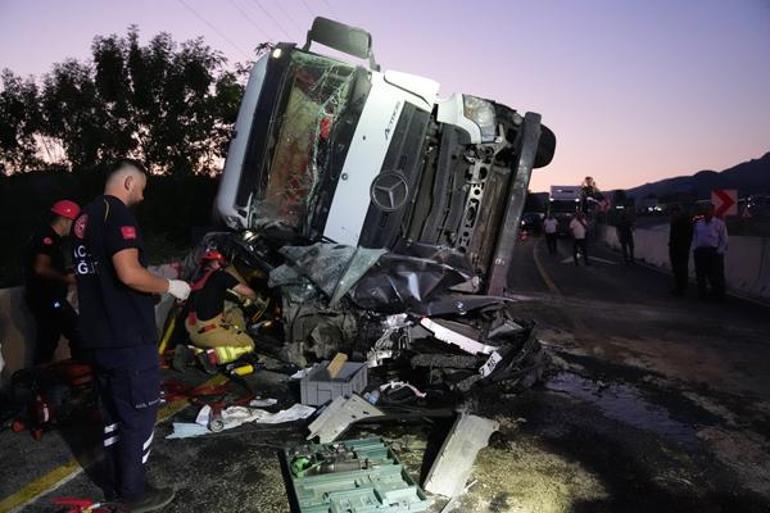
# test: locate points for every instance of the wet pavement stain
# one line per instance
(624, 403)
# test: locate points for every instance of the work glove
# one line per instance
(179, 289)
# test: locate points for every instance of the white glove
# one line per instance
(179, 289)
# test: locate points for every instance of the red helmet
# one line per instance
(212, 255)
(66, 208)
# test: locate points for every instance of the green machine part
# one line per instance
(352, 476)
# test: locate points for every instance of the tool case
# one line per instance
(351, 476)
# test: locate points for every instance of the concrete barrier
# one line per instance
(747, 262)
(17, 327)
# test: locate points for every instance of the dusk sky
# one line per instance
(635, 91)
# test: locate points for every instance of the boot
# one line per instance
(153, 498)
(183, 357)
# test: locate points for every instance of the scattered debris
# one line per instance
(339, 415)
(210, 421)
(453, 465)
(261, 403)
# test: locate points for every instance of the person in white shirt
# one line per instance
(578, 228)
(551, 228)
(709, 243)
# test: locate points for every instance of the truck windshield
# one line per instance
(301, 135)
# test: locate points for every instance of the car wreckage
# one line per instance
(375, 218)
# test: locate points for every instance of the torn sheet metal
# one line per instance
(331, 268)
(453, 337)
(339, 415)
(454, 462)
(398, 283)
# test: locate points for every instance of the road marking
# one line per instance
(64, 473)
(570, 260)
(576, 320)
(540, 269)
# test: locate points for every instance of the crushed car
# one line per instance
(375, 218)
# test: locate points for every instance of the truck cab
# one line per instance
(338, 150)
(563, 204)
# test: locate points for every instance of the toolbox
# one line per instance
(319, 388)
(351, 476)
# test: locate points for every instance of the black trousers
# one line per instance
(627, 248)
(550, 240)
(709, 268)
(128, 383)
(53, 318)
(680, 263)
(580, 244)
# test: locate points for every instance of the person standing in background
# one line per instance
(679, 241)
(578, 227)
(551, 228)
(709, 241)
(625, 232)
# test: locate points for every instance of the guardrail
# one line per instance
(17, 327)
(747, 261)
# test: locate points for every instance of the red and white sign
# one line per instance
(725, 202)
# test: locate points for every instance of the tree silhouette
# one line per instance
(170, 104)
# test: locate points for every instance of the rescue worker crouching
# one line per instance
(215, 324)
(47, 281)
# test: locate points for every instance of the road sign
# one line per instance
(725, 202)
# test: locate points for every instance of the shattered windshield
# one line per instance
(314, 98)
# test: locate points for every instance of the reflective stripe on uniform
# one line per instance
(148, 442)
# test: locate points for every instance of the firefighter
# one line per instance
(117, 324)
(47, 281)
(215, 323)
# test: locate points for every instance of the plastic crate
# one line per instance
(380, 485)
(319, 388)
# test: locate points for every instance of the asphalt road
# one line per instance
(651, 404)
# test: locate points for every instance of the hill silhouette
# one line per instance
(750, 177)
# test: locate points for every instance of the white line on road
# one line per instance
(570, 260)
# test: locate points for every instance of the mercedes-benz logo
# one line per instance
(389, 191)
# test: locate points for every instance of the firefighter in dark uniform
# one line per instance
(47, 280)
(118, 331)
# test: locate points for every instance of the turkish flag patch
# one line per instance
(80, 226)
(128, 232)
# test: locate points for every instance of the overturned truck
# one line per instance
(376, 218)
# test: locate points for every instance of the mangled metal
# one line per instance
(383, 308)
(372, 215)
